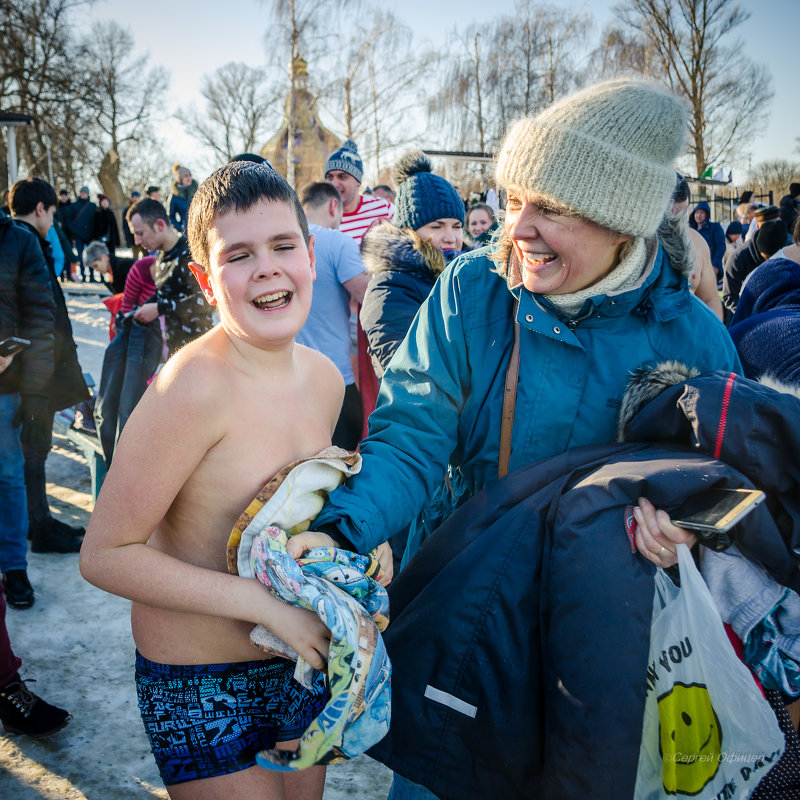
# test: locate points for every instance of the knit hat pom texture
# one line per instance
(423, 197)
(605, 152)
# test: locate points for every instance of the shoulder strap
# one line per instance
(509, 402)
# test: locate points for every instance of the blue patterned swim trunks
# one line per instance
(206, 720)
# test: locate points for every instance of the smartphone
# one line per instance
(716, 510)
(12, 345)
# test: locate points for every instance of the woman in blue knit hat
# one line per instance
(406, 258)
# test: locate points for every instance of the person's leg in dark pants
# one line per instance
(21, 711)
(13, 507)
(47, 534)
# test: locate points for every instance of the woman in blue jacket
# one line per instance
(405, 259)
(580, 276)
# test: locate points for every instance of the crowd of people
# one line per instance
(462, 350)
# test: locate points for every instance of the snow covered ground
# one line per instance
(76, 643)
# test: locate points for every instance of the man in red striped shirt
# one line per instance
(344, 170)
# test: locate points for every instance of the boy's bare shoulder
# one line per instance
(322, 370)
(195, 374)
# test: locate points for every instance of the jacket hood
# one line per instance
(386, 247)
(704, 206)
(647, 383)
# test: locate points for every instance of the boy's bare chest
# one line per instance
(264, 435)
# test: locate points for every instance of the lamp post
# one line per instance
(11, 122)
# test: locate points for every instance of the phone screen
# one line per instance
(717, 509)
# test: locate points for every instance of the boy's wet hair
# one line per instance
(237, 186)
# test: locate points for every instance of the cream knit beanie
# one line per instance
(605, 152)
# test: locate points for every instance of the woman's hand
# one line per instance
(300, 543)
(656, 537)
(383, 554)
(5, 362)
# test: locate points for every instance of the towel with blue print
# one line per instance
(337, 586)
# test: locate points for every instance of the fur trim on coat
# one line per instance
(387, 247)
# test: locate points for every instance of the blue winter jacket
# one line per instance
(713, 234)
(441, 397)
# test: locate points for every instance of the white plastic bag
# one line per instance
(708, 732)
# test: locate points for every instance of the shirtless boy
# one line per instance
(225, 414)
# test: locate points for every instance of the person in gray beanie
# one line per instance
(521, 352)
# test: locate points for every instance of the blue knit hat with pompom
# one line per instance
(423, 197)
(346, 159)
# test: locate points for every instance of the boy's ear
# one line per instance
(205, 283)
(311, 258)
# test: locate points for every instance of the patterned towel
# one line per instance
(337, 586)
(341, 588)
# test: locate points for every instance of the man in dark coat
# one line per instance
(790, 206)
(33, 203)
(80, 219)
(178, 297)
(27, 311)
(753, 253)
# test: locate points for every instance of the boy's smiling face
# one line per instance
(260, 273)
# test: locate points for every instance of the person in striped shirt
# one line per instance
(344, 170)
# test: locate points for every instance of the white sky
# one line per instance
(194, 37)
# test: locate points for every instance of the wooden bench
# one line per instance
(88, 444)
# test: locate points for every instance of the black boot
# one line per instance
(76, 530)
(48, 537)
(21, 711)
(18, 589)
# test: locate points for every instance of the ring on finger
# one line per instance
(661, 551)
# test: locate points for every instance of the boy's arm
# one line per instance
(151, 465)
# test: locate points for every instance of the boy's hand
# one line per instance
(298, 544)
(383, 552)
(656, 537)
(304, 631)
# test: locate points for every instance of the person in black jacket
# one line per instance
(27, 311)
(748, 258)
(104, 227)
(178, 296)
(33, 204)
(80, 219)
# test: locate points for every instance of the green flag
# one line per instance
(708, 173)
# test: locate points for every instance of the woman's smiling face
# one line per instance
(558, 253)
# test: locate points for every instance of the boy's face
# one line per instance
(260, 273)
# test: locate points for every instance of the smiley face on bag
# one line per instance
(690, 738)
